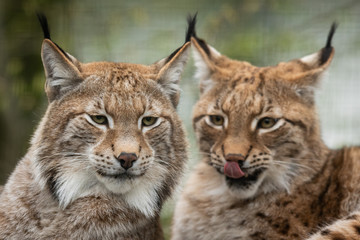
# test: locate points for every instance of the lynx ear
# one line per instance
(204, 57)
(171, 70)
(61, 72)
(324, 56)
(172, 67)
(312, 67)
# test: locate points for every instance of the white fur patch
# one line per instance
(214, 52)
(277, 178)
(311, 60)
(203, 72)
(254, 124)
(72, 185)
(202, 68)
(143, 198)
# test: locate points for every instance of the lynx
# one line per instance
(265, 172)
(106, 155)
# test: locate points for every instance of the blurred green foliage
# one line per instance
(262, 32)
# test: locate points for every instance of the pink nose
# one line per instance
(127, 159)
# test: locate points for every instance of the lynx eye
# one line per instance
(267, 122)
(217, 120)
(99, 119)
(149, 121)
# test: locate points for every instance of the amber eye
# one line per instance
(217, 120)
(99, 119)
(267, 122)
(148, 121)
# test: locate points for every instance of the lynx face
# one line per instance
(110, 129)
(257, 126)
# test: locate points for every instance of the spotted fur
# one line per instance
(291, 184)
(74, 181)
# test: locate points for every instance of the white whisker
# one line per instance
(162, 161)
(290, 164)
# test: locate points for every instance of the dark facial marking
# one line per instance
(52, 183)
(357, 229)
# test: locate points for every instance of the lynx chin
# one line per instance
(265, 171)
(108, 152)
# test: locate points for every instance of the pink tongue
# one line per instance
(233, 170)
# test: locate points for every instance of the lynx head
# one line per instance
(110, 128)
(257, 126)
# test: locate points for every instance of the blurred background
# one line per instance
(262, 32)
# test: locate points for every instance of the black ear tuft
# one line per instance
(331, 34)
(190, 32)
(46, 30)
(44, 25)
(326, 51)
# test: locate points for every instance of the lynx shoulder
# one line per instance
(108, 152)
(265, 171)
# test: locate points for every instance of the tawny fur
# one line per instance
(71, 184)
(302, 189)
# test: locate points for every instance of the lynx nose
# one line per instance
(127, 159)
(239, 158)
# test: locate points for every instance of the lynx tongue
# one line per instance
(233, 170)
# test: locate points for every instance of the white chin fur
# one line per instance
(273, 179)
(118, 186)
(73, 186)
(139, 193)
(277, 179)
(249, 192)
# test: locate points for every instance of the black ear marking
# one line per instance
(44, 25)
(46, 30)
(190, 31)
(331, 34)
(326, 51)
